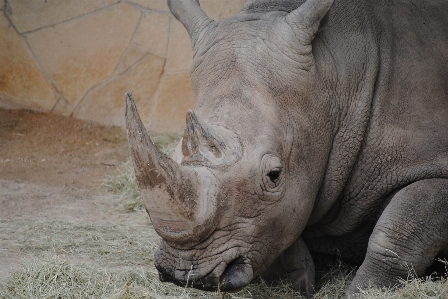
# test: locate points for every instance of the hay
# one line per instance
(411, 289)
(166, 143)
(125, 185)
(114, 260)
(333, 281)
(101, 260)
(58, 278)
(117, 243)
(414, 287)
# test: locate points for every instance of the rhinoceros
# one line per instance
(317, 127)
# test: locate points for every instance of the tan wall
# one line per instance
(78, 57)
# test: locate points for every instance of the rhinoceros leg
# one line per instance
(410, 233)
(296, 265)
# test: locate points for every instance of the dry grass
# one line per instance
(117, 243)
(114, 260)
(101, 260)
(414, 287)
(58, 278)
(125, 185)
(54, 277)
(333, 281)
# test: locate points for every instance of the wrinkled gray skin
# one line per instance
(326, 123)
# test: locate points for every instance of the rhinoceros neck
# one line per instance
(348, 57)
(382, 142)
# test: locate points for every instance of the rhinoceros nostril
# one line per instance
(237, 275)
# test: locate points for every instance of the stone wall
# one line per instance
(78, 57)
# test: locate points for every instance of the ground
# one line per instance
(52, 167)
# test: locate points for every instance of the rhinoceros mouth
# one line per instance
(228, 272)
(206, 283)
(235, 276)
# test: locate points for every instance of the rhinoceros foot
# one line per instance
(411, 232)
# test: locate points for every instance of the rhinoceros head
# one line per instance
(242, 186)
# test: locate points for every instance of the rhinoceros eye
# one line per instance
(274, 175)
(271, 174)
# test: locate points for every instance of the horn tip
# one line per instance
(189, 113)
(130, 102)
(131, 113)
(129, 96)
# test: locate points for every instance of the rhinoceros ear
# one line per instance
(306, 19)
(190, 14)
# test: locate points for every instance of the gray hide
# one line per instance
(317, 126)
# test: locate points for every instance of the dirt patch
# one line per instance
(58, 151)
(52, 167)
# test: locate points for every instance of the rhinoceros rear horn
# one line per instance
(190, 14)
(180, 200)
(306, 19)
(207, 144)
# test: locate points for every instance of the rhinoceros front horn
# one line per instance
(180, 200)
